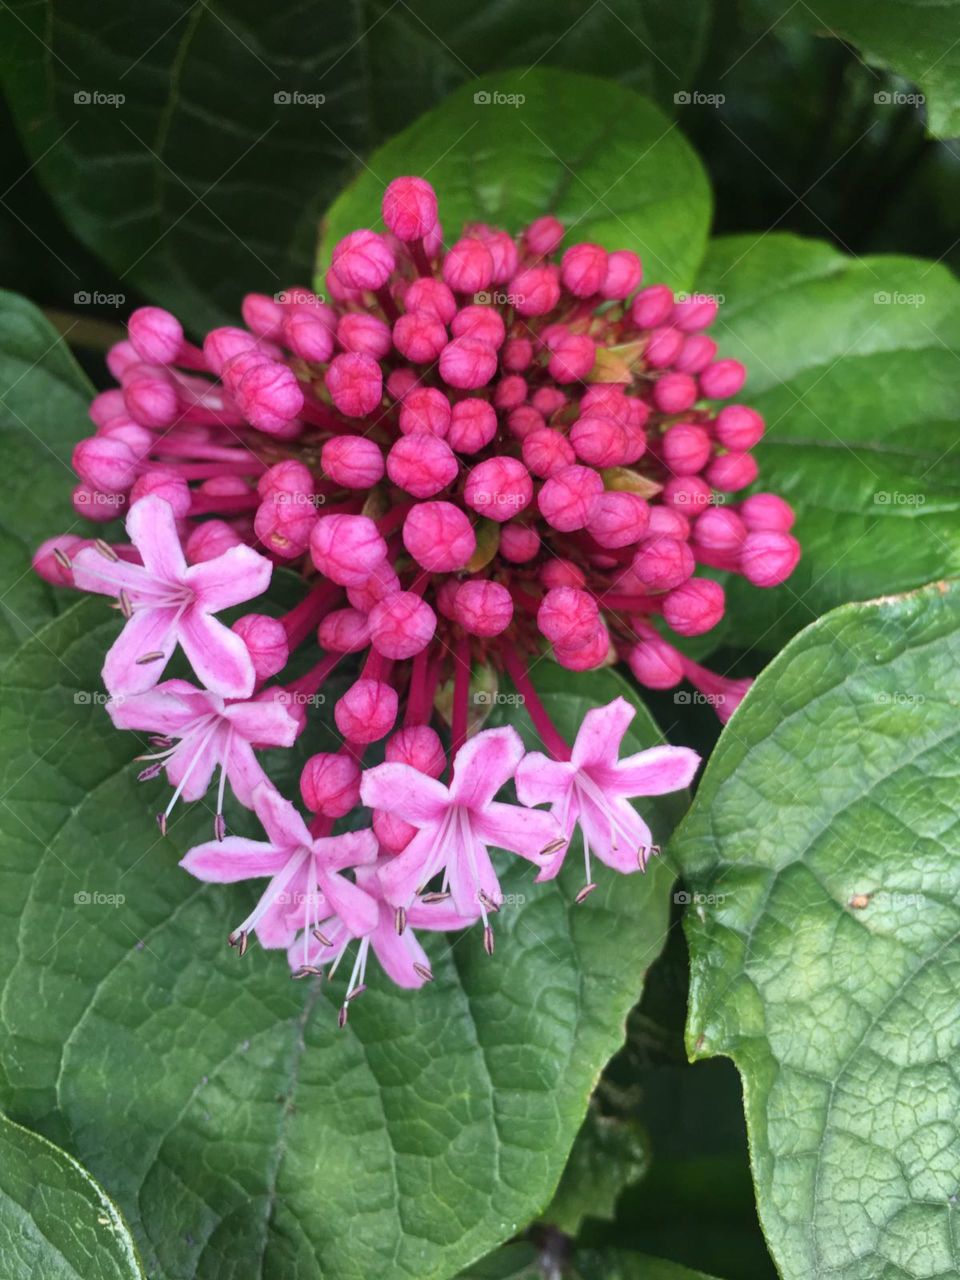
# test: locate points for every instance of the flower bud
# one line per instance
(156, 335)
(719, 529)
(150, 396)
(166, 485)
(439, 537)
(686, 448)
(732, 471)
(365, 334)
(518, 543)
(602, 442)
(503, 251)
(425, 411)
(546, 451)
(363, 260)
(393, 834)
(284, 522)
(652, 306)
(419, 336)
(263, 316)
(288, 476)
(548, 400)
(467, 363)
(347, 548)
(663, 563)
(695, 607)
(367, 711)
(668, 522)
(524, 420)
(100, 508)
(433, 296)
(382, 582)
(352, 461)
(270, 396)
(722, 379)
(739, 427)
(543, 236)
(401, 625)
(767, 511)
(409, 208)
(472, 426)
(108, 407)
(690, 494)
(572, 356)
(344, 631)
(698, 311)
(210, 540)
(422, 465)
(675, 392)
(568, 617)
(656, 664)
(104, 463)
(591, 655)
(768, 557)
(222, 345)
(663, 347)
(618, 519)
(50, 566)
(624, 273)
(498, 488)
(468, 266)
(562, 573)
(695, 354)
(536, 291)
(567, 498)
(483, 323)
(583, 269)
(420, 747)
(120, 357)
(483, 608)
(266, 641)
(355, 384)
(307, 336)
(510, 392)
(330, 784)
(517, 355)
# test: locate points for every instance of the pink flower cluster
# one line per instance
(472, 455)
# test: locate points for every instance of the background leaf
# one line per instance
(609, 1154)
(915, 38)
(219, 1104)
(43, 412)
(608, 163)
(822, 854)
(55, 1221)
(853, 363)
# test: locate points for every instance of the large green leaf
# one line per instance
(823, 855)
(524, 1262)
(207, 179)
(854, 364)
(43, 412)
(604, 160)
(914, 37)
(216, 1100)
(55, 1222)
(610, 1153)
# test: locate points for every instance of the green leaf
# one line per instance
(512, 1262)
(215, 1099)
(822, 855)
(43, 413)
(609, 1154)
(55, 1221)
(207, 177)
(597, 155)
(617, 1264)
(913, 37)
(860, 398)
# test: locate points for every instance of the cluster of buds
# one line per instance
(474, 456)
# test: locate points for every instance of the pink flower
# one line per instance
(593, 788)
(392, 940)
(167, 603)
(199, 732)
(456, 825)
(306, 880)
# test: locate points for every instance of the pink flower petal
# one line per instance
(148, 631)
(600, 734)
(153, 531)
(280, 820)
(541, 780)
(94, 572)
(472, 877)
(619, 848)
(267, 724)
(654, 772)
(398, 953)
(403, 875)
(482, 766)
(439, 917)
(524, 831)
(218, 655)
(193, 763)
(232, 859)
(159, 710)
(404, 791)
(239, 574)
(351, 849)
(358, 911)
(244, 771)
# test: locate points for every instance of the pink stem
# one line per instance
(306, 615)
(461, 695)
(550, 735)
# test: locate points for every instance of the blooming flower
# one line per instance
(306, 880)
(455, 825)
(401, 956)
(198, 732)
(167, 603)
(593, 788)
